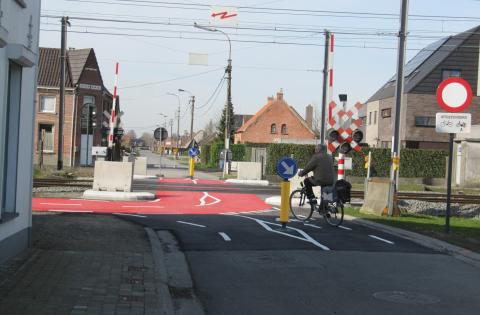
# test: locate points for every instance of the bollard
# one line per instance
(192, 167)
(285, 202)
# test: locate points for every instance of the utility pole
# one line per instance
(171, 132)
(326, 70)
(402, 37)
(191, 121)
(178, 127)
(63, 53)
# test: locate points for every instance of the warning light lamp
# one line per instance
(332, 135)
(357, 135)
(344, 148)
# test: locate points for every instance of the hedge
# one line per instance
(239, 152)
(413, 162)
(205, 154)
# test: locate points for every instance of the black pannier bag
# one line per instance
(343, 190)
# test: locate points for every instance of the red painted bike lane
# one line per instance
(166, 202)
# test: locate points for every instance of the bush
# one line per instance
(215, 150)
(205, 154)
(300, 152)
(239, 152)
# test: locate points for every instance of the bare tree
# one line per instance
(147, 139)
(128, 138)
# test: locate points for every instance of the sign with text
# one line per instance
(99, 151)
(453, 122)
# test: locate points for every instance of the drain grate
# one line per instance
(402, 297)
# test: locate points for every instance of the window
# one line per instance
(284, 129)
(375, 118)
(387, 112)
(412, 144)
(88, 109)
(448, 73)
(386, 144)
(370, 118)
(273, 128)
(45, 133)
(47, 104)
(424, 121)
(10, 133)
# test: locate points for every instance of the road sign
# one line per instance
(287, 167)
(454, 95)
(160, 134)
(453, 122)
(223, 15)
(100, 151)
(193, 151)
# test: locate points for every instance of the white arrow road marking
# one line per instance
(306, 237)
(194, 224)
(204, 198)
(225, 236)
(381, 239)
(59, 204)
(194, 181)
(344, 227)
(131, 215)
(288, 169)
(156, 200)
(72, 211)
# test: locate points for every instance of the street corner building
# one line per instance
(86, 101)
(452, 56)
(278, 122)
(19, 33)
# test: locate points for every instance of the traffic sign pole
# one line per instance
(285, 202)
(192, 167)
(449, 182)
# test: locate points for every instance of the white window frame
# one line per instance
(42, 108)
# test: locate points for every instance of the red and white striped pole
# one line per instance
(112, 112)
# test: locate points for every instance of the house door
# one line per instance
(88, 129)
(86, 149)
(260, 155)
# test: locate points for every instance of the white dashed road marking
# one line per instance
(225, 236)
(344, 227)
(131, 215)
(312, 225)
(60, 204)
(381, 239)
(71, 211)
(188, 223)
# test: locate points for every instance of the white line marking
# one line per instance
(72, 211)
(225, 236)
(344, 227)
(194, 181)
(278, 209)
(204, 198)
(307, 238)
(131, 215)
(381, 239)
(230, 213)
(194, 224)
(158, 207)
(59, 204)
(313, 225)
(156, 200)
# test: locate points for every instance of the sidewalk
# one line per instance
(82, 264)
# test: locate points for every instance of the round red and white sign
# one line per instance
(454, 95)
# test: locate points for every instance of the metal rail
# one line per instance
(430, 197)
(66, 182)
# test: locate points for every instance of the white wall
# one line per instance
(371, 129)
(16, 21)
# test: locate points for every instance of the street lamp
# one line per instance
(192, 111)
(178, 117)
(228, 105)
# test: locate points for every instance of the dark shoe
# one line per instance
(313, 202)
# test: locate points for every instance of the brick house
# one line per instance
(276, 122)
(456, 56)
(86, 98)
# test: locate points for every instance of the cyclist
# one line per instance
(323, 172)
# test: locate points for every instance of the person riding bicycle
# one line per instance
(323, 172)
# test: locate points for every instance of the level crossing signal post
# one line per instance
(286, 169)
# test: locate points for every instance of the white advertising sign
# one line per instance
(100, 151)
(453, 122)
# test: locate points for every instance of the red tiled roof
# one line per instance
(49, 68)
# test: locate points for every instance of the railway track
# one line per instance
(65, 182)
(430, 197)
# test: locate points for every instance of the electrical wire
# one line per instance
(214, 91)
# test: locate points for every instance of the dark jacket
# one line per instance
(322, 167)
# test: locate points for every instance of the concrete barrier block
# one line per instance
(140, 166)
(234, 166)
(249, 170)
(113, 176)
(377, 196)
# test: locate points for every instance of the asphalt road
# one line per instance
(242, 263)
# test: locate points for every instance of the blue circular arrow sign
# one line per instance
(287, 167)
(193, 151)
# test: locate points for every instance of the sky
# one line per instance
(275, 45)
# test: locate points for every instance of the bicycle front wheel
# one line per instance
(299, 206)
(334, 213)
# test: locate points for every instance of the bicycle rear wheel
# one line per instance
(333, 213)
(300, 208)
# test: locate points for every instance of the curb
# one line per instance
(176, 292)
(457, 252)
(248, 182)
(117, 195)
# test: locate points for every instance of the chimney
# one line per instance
(309, 115)
(270, 98)
(280, 95)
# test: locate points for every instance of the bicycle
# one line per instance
(330, 207)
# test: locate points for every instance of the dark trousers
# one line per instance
(309, 187)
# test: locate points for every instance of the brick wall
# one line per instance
(277, 112)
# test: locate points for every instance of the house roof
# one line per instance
(427, 60)
(78, 59)
(271, 102)
(49, 68)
